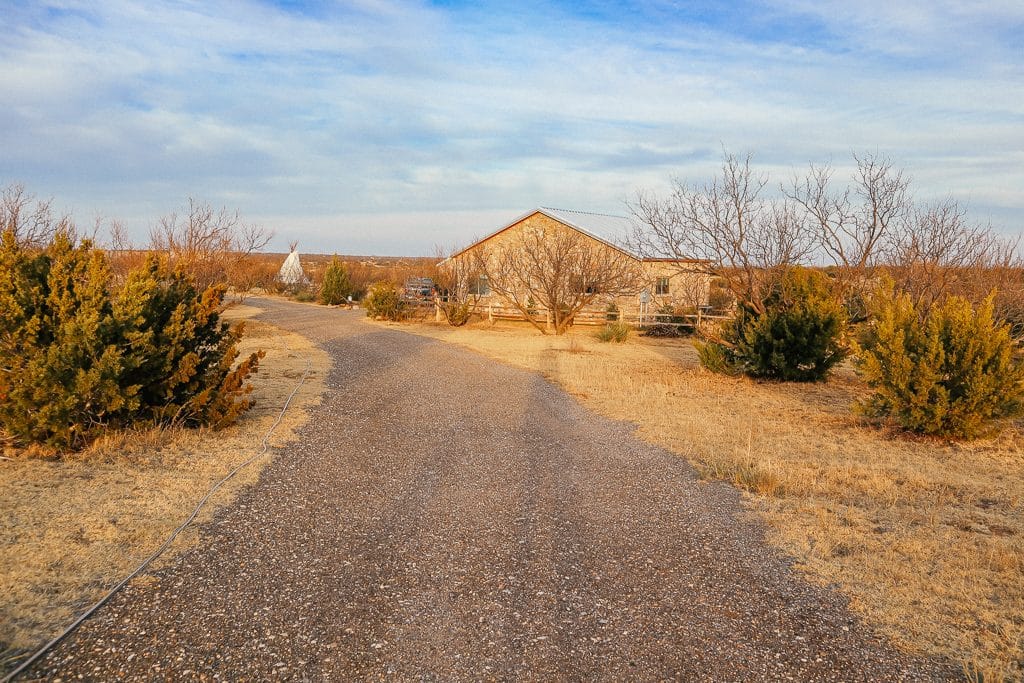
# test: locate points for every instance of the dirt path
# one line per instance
(444, 517)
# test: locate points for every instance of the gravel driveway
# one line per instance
(444, 517)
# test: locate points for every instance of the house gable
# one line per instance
(573, 220)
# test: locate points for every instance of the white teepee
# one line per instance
(291, 270)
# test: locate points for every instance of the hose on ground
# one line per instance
(265, 446)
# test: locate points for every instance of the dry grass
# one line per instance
(926, 537)
(71, 529)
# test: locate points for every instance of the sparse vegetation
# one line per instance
(617, 332)
(947, 369)
(211, 246)
(871, 224)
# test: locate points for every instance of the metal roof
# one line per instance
(613, 230)
(610, 229)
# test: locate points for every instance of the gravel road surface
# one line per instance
(447, 518)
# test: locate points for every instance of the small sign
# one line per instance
(645, 297)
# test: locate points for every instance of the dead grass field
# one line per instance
(71, 529)
(926, 537)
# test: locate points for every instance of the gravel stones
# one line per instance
(445, 517)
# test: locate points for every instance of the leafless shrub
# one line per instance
(206, 243)
(31, 221)
(938, 252)
(457, 282)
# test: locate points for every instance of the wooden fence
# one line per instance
(588, 316)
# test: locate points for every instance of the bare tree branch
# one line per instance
(741, 237)
(458, 292)
(559, 269)
(30, 220)
(207, 243)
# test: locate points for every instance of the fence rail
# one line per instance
(588, 316)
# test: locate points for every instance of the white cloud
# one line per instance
(404, 112)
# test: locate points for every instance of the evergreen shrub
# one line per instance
(337, 285)
(76, 360)
(383, 301)
(796, 334)
(617, 332)
(949, 370)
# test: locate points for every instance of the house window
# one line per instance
(480, 287)
(662, 286)
(582, 286)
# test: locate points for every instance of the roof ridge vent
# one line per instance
(584, 213)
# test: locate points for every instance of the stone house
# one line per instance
(656, 284)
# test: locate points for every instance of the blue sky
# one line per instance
(380, 127)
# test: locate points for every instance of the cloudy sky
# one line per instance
(378, 127)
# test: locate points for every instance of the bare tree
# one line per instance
(31, 221)
(208, 244)
(559, 269)
(853, 224)
(457, 283)
(741, 237)
(690, 289)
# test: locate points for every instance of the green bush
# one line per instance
(456, 312)
(76, 360)
(716, 358)
(183, 354)
(614, 332)
(337, 285)
(949, 370)
(383, 302)
(304, 295)
(668, 315)
(796, 336)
